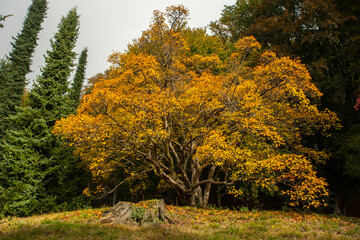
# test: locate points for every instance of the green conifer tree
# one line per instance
(79, 78)
(30, 149)
(50, 89)
(13, 70)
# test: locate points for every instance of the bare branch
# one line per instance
(106, 193)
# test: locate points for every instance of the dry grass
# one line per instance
(191, 223)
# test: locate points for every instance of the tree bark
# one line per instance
(144, 213)
(208, 186)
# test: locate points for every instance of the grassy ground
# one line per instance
(191, 223)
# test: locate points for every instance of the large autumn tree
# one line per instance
(197, 120)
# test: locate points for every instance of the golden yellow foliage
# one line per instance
(166, 110)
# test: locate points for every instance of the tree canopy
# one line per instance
(197, 120)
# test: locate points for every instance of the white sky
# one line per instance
(105, 25)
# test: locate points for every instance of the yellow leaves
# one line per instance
(296, 171)
(247, 45)
(86, 192)
(235, 116)
(267, 57)
(215, 150)
(164, 41)
(287, 77)
(203, 93)
(304, 188)
(140, 68)
(99, 189)
(201, 63)
(235, 191)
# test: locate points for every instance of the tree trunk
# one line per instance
(196, 197)
(115, 196)
(208, 186)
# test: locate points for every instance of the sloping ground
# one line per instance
(151, 213)
(190, 223)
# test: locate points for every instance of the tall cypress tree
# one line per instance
(13, 71)
(35, 162)
(50, 89)
(79, 78)
(50, 96)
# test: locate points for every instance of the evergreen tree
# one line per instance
(79, 78)
(30, 149)
(50, 90)
(14, 70)
(21, 188)
(4, 85)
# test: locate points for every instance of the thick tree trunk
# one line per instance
(196, 197)
(182, 171)
(208, 186)
(339, 206)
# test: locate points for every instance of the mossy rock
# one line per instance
(149, 212)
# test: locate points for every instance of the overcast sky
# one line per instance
(105, 26)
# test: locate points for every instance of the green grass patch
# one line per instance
(191, 223)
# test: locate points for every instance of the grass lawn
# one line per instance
(191, 223)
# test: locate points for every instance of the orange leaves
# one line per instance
(167, 105)
(200, 63)
(295, 172)
(132, 65)
(203, 92)
(305, 188)
(86, 192)
(275, 94)
(247, 45)
(215, 150)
